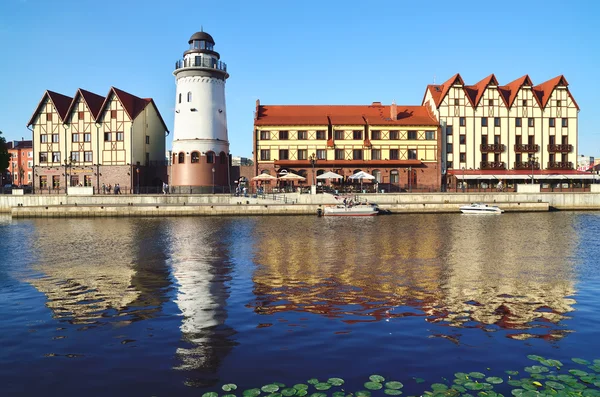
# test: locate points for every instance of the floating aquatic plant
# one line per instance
(546, 378)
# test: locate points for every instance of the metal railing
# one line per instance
(533, 148)
(201, 62)
(559, 165)
(560, 148)
(492, 165)
(526, 165)
(494, 147)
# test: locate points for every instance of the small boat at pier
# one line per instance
(350, 207)
(481, 209)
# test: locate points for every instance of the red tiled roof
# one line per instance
(475, 92)
(508, 92)
(93, 102)
(61, 103)
(515, 172)
(342, 115)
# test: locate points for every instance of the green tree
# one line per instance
(4, 159)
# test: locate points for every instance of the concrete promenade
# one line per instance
(46, 206)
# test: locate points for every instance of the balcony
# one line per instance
(201, 62)
(526, 166)
(565, 148)
(527, 148)
(492, 165)
(566, 165)
(496, 148)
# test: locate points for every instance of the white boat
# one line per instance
(361, 209)
(481, 209)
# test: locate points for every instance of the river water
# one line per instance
(180, 306)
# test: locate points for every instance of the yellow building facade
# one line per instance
(392, 143)
(92, 140)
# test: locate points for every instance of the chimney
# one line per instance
(393, 111)
(256, 110)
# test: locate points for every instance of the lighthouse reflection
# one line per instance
(468, 272)
(201, 268)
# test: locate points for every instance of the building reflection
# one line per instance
(201, 268)
(454, 271)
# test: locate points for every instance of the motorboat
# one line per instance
(358, 209)
(481, 209)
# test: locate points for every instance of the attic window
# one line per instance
(490, 102)
(113, 114)
(437, 89)
(456, 102)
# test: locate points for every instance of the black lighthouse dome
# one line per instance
(201, 36)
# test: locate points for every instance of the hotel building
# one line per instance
(93, 140)
(20, 166)
(492, 132)
(397, 144)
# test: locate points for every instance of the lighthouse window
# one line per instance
(210, 157)
(189, 96)
(195, 157)
(180, 98)
(181, 159)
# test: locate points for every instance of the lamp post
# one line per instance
(313, 160)
(213, 173)
(137, 171)
(410, 179)
(533, 161)
(463, 180)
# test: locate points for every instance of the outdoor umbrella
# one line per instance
(264, 177)
(292, 177)
(360, 176)
(330, 175)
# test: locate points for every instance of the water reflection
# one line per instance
(455, 271)
(201, 268)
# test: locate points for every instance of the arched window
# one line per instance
(174, 158)
(195, 157)
(210, 157)
(180, 97)
(377, 175)
(181, 158)
(356, 171)
(394, 176)
(302, 173)
(190, 96)
(223, 158)
(320, 172)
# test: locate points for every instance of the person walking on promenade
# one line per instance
(103, 188)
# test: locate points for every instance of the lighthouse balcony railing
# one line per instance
(199, 62)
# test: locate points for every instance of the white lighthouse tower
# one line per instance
(200, 159)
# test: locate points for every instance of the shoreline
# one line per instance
(63, 206)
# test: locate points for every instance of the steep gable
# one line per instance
(60, 102)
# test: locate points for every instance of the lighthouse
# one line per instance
(200, 157)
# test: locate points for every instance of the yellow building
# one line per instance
(396, 144)
(493, 132)
(95, 141)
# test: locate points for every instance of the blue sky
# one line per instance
(302, 52)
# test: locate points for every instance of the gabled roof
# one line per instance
(544, 90)
(509, 91)
(273, 115)
(60, 102)
(93, 102)
(439, 92)
(132, 104)
(475, 92)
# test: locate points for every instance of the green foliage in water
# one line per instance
(546, 378)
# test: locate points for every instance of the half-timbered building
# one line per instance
(93, 140)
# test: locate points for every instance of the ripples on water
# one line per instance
(165, 306)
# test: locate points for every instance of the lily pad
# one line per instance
(318, 395)
(271, 388)
(514, 382)
(300, 386)
(595, 368)
(577, 372)
(476, 375)
(394, 385)
(517, 392)
(555, 385)
(535, 357)
(251, 392)
(323, 386)
(473, 386)
(460, 381)
(363, 393)
(551, 363)
(373, 385)
(536, 369)
(461, 375)
(274, 395)
(301, 392)
(459, 388)
(580, 361)
(210, 394)
(312, 381)
(439, 387)
(228, 395)
(392, 392)
(512, 372)
(335, 381)
(290, 391)
(229, 387)
(281, 385)
(377, 378)
(591, 393)
(494, 380)
(419, 380)
(338, 394)
(588, 379)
